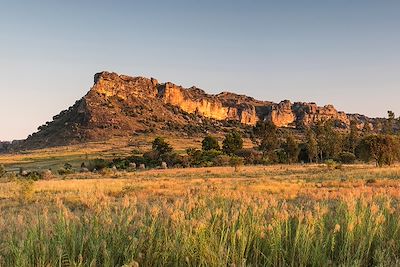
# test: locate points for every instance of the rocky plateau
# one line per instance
(121, 106)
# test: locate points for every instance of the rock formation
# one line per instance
(119, 105)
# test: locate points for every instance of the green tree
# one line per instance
(352, 138)
(210, 143)
(383, 149)
(311, 145)
(233, 142)
(329, 140)
(268, 134)
(291, 148)
(388, 125)
(236, 162)
(160, 146)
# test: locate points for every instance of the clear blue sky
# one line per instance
(346, 53)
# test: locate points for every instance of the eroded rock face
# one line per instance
(309, 113)
(195, 100)
(282, 114)
(124, 87)
(224, 106)
(119, 105)
(192, 101)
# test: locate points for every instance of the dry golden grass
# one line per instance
(274, 215)
(283, 182)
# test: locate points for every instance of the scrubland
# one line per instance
(259, 216)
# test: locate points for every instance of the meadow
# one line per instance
(283, 215)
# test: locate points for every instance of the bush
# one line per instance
(161, 146)
(67, 166)
(172, 159)
(64, 171)
(250, 156)
(222, 160)
(210, 143)
(151, 158)
(97, 164)
(210, 155)
(136, 152)
(201, 157)
(2, 171)
(347, 157)
(25, 190)
(236, 162)
(330, 163)
(33, 175)
(120, 164)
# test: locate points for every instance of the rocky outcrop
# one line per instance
(119, 105)
(286, 114)
(282, 114)
(195, 100)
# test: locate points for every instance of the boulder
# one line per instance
(132, 165)
(84, 169)
(164, 165)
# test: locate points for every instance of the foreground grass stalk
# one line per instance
(209, 231)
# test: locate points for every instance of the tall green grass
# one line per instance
(209, 231)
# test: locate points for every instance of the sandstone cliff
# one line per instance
(119, 105)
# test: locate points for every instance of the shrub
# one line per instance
(97, 164)
(222, 160)
(67, 166)
(347, 157)
(33, 175)
(250, 156)
(2, 171)
(330, 163)
(25, 190)
(236, 162)
(136, 152)
(151, 158)
(275, 156)
(161, 146)
(64, 171)
(120, 164)
(280, 156)
(210, 143)
(210, 155)
(172, 159)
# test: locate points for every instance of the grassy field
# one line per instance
(269, 216)
(54, 158)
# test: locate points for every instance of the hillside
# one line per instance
(122, 106)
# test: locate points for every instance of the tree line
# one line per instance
(321, 143)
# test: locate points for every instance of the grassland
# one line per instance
(269, 216)
(54, 158)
